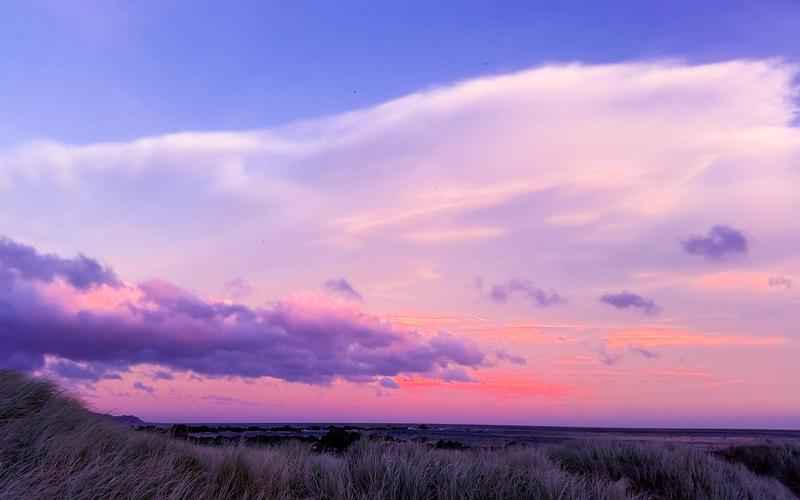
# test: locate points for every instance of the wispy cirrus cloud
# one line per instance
(455, 234)
(227, 400)
(651, 338)
(415, 195)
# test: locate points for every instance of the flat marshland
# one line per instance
(51, 447)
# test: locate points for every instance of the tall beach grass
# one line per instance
(51, 447)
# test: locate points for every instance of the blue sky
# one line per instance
(89, 71)
(578, 213)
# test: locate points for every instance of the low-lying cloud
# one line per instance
(310, 341)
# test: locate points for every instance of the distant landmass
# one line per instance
(129, 420)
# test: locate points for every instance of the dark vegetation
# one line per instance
(52, 448)
(336, 439)
(447, 444)
(781, 462)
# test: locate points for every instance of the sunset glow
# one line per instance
(606, 240)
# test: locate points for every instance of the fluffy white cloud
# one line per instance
(572, 162)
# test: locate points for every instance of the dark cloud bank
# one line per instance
(170, 327)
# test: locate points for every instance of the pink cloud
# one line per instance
(311, 339)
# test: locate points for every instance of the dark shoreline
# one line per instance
(468, 435)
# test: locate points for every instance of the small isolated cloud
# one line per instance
(539, 297)
(238, 288)
(780, 282)
(646, 353)
(143, 387)
(388, 383)
(608, 357)
(719, 242)
(163, 375)
(629, 300)
(610, 354)
(511, 358)
(342, 288)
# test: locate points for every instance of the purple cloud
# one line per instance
(720, 241)
(645, 353)
(24, 261)
(67, 369)
(511, 358)
(611, 357)
(164, 325)
(780, 282)
(389, 383)
(143, 387)
(342, 287)
(539, 297)
(629, 300)
(457, 375)
(163, 375)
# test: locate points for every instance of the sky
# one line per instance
(472, 212)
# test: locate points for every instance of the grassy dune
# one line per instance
(51, 447)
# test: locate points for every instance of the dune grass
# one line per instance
(668, 472)
(52, 448)
(781, 461)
